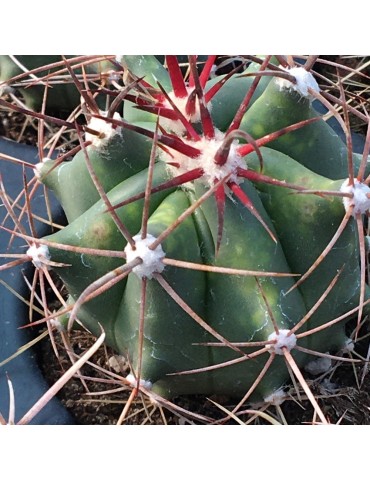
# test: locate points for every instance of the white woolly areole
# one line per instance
(206, 160)
(304, 80)
(176, 126)
(106, 129)
(320, 365)
(55, 322)
(143, 383)
(360, 200)
(38, 255)
(152, 259)
(38, 167)
(282, 339)
(276, 398)
(349, 346)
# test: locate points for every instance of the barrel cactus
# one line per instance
(214, 227)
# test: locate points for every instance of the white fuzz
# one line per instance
(349, 346)
(360, 200)
(320, 365)
(152, 259)
(54, 322)
(277, 397)
(180, 103)
(282, 339)
(176, 126)
(106, 130)
(38, 255)
(304, 80)
(206, 160)
(38, 167)
(143, 383)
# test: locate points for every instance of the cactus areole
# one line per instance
(195, 192)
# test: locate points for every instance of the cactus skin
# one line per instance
(99, 231)
(236, 307)
(315, 146)
(169, 336)
(300, 226)
(224, 104)
(61, 97)
(71, 182)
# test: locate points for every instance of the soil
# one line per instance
(15, 126)
(338, 392)
(340, 397)
(356, 86)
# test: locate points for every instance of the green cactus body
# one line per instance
(169, 332)
(125, 154)
(224, 104)
(244, 239)
(235, 308)
(96, 229)
(316, 145)
(301, 226)
(149, 67)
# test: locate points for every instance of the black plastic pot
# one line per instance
(24, 372)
